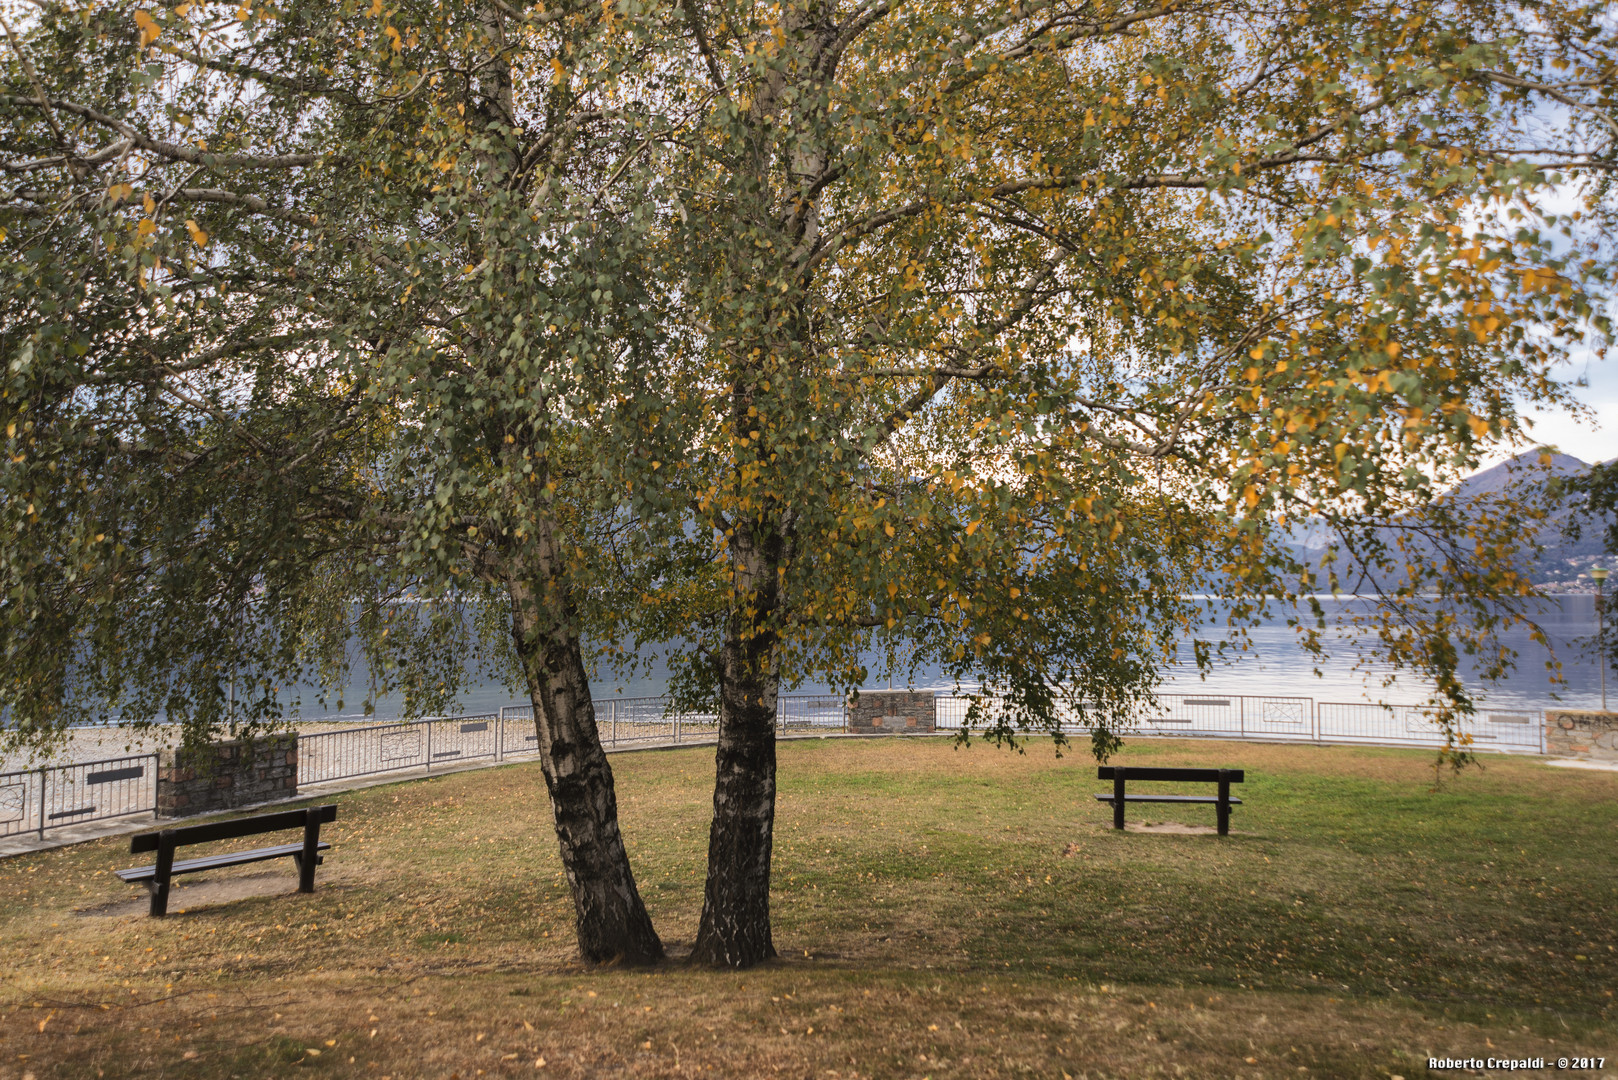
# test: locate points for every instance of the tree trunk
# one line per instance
(735, 927)
(611, 918)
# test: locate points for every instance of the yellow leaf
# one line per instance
(393, 34)
(888, 529)
(558, 72)
(199, 236)
(972, 528)
(376, 8)
(149, 30)
(146, 227)
(1540, 279)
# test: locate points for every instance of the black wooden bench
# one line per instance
(1118, 774)
(305, 853)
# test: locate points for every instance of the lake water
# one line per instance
(1272, 665)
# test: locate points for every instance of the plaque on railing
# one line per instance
(13, 802)
(401, 745)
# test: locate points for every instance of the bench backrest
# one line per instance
(1137, 772)
(230, 830)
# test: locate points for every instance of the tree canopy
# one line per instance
(994, 335)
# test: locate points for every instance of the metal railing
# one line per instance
(394, 747)
(1301, 719)
(54, 796)
(398, 746)
(1520, 731)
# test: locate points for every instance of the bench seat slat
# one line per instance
(1211, 799)
(1159, 772)
(233, 828)
(213, 862)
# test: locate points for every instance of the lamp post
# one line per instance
(1599, 573)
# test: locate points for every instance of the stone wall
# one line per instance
(1576, 733)
(873, 712)
(224, 775)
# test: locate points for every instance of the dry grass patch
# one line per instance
(940, 912)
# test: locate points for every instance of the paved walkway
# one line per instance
(1581, 763)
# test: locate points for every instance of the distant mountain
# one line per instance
(1563, 560)
(1526, 467)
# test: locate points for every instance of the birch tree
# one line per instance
(303, 304)
(1013, 320)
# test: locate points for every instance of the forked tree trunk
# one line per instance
(611, 918)
(735, 927)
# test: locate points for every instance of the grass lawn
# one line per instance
(940, 913)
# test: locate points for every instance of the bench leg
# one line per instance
(161, 873)
(1224, 804)
(1118, 798)
(310, 856)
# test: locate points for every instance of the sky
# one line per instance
(1591, 438)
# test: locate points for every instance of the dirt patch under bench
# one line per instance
(189, 895)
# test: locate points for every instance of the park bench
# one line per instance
(305, 853)
(1118, 774)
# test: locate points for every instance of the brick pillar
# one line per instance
(1586, 734)
(892, 712)
(221, 776)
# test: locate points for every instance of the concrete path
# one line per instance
(1581, 763)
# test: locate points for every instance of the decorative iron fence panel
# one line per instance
(363, 751)
(55, 796)
(1521, 731)
(454, 739)
(1300, 719)
(518, 733)
(796, 712)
